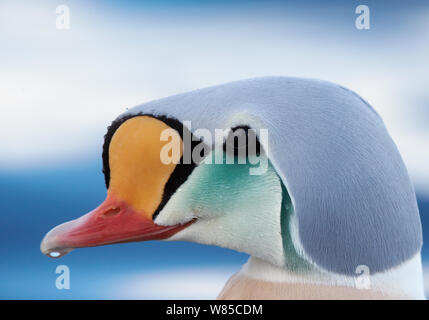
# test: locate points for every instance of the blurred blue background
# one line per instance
(59, 89)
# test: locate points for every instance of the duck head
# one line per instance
(333, 194)
(219, 200)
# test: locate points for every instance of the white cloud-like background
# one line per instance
(60, 89)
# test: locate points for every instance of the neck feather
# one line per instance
(402, 282)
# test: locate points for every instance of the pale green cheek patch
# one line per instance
(235, 210)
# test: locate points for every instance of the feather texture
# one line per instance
(353, 200)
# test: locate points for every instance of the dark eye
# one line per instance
(242, 142)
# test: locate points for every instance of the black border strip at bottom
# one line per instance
(207, 309)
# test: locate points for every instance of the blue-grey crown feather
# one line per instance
(351, 192)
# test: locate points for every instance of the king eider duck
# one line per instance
(330, 214)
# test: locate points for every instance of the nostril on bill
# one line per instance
(112, 212)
